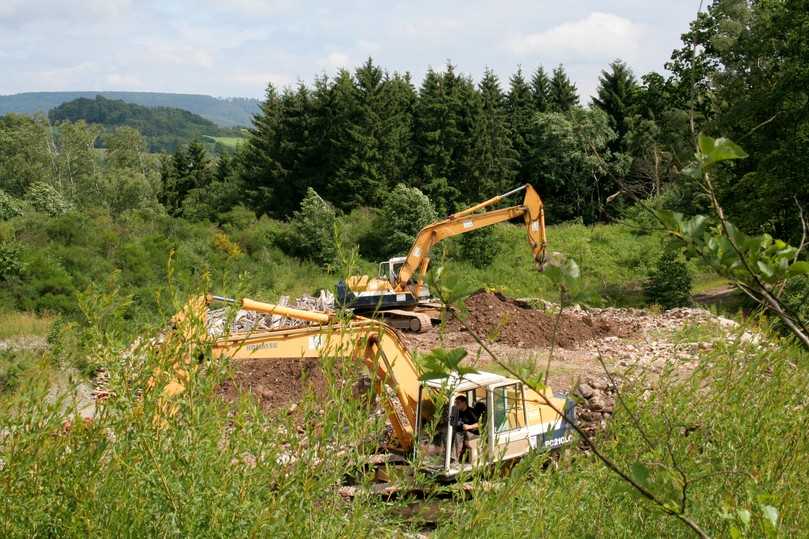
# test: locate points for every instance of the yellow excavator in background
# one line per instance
(399, 291)
(516, 420)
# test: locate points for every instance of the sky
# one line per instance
(235, 47)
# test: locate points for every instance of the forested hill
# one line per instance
(164, 128)
(226, 112)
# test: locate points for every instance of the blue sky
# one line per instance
(234, 47)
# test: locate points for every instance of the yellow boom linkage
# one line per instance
(532, 210)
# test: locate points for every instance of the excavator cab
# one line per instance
(512, 421)
(389, 269)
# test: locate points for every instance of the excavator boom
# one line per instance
(532, 210)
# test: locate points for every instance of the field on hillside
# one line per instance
(230, 142)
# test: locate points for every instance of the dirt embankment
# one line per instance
(276, 383)
(516, 323)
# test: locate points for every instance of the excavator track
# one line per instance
(414, 321)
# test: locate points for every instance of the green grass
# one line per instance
(15, 324)
(191, 465)
(230, 142)
(614, 261)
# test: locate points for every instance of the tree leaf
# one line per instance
(714, 151)
(640, 474)
(800, 267)
(771, 514)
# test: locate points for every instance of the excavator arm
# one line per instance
(376, 344)
(532, 210)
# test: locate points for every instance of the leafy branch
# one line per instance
(757, 265)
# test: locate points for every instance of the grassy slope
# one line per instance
(613, 260)
(144, 255)
(153, 463)
(230, 142)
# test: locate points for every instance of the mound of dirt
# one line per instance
(276, 383)
(516, 323)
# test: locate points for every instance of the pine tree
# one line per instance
(433, 152)
(297, 151)
(617, 91)
(398, 103)
(463, 113)
(261, 171)
(355, 176)
(494, 160)
(521, 110)
(541, 90)
(563, 96)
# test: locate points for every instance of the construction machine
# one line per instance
(424, 420)
(400, 296)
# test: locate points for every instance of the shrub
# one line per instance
(669, 285)
(796, 296)
(9, 206)
(11, 264)
(480, 247)
(405, 211)
(46, 199)
(311, 231)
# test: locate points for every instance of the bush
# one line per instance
(480, 247)
(9, 206)
(405, 211)
(669, 285)
(46, 199)
(11, 264)
(796, 296)
(311, 231)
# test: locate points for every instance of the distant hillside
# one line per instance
(225, 112)
(163, 127)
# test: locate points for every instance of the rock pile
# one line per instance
(247, 321)
(597, 403)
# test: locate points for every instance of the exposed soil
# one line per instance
(619, 338)
(276, 383)
(516, 323)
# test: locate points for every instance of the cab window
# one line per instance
(509, 410)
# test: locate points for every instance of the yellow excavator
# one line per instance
(514, 421)
(399, 291)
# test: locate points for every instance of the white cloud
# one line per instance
(66, 77)
(260, 79)
(167, 52)
(21, 12)
(253, 7)
(597, 37)
(335, 60)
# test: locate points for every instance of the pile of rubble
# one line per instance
(654, 349)
(250, 321)
(598, 395)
